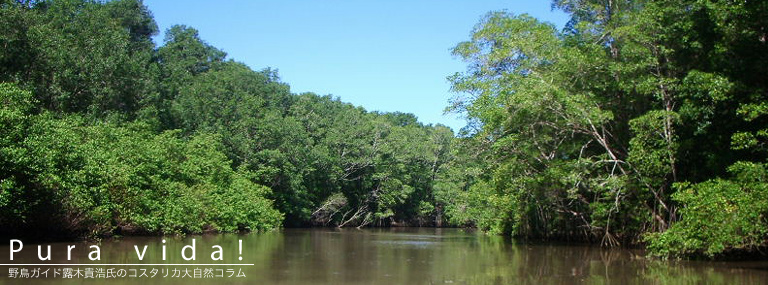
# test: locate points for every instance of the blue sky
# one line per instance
(383, 55)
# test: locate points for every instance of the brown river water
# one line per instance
(351, 256)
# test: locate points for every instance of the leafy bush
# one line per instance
(96, 179)
(718, 215)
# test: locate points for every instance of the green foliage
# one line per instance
(652, 151)
(80, 56)
(14, 119)
(582, 134)
(718, 215)
(547, 133)
(119, 137)
(73, 178)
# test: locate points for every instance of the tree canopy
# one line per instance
(637, 122)
(106, 133)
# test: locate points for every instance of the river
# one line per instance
(368, 256)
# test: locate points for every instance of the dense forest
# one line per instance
(641, 122)
(105, 133)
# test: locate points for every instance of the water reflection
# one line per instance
(403, 256)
